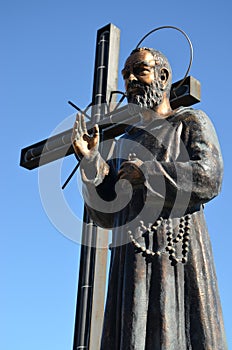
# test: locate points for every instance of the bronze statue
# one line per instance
(162, 291)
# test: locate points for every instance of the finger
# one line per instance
(83, 124)
(75, 132)
(76, 146)
(132, 167)
(77, 149)
(127, 166)
(87, 138)
(76, 127)
(126, 163)
(79, 124)
(123, 166)
(95, 131)
(131, 171)
(131, 178)
(122, 174)
(124, 177)
(78, 118)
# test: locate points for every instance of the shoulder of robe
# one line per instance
(198, 124)
(192, 116)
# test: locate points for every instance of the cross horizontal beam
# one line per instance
(113, 124)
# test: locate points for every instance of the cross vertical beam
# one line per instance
(92, 273)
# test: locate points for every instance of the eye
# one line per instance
(125, 74)
(141, 70)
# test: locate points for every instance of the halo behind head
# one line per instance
(185, 35)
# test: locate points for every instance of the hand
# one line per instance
(84, 145)
(130, 171)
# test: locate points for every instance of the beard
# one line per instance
(148, 96)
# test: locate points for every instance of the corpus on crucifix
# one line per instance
(151, 192)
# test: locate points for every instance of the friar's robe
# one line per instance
(153, 303)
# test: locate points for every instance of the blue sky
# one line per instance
(47, 57)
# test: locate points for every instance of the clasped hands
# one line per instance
(87, 146)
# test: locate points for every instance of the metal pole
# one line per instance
(106, 63)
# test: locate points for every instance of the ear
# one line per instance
(164, 75)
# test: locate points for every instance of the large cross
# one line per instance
(92, 273)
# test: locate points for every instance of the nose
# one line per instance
(132, 77)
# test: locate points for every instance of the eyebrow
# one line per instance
(139, 63)
(145, 63)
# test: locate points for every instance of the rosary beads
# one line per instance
(182, 237)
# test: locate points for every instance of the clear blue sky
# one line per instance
(47, 57)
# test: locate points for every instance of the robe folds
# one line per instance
(153, 301)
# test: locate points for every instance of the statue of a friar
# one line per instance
(151, 192)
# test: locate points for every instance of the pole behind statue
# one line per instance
(93, 260)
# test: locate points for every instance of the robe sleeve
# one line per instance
(197, 176)
(99, 189)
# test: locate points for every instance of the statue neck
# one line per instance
(164, 109)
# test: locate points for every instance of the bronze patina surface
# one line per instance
(162, 291)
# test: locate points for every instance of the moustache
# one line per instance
(135, 85)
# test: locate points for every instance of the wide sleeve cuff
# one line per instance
(94, 171)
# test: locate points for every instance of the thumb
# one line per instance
(96, 131)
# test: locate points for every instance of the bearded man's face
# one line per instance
(141, 82)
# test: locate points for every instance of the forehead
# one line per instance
(144, 57)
